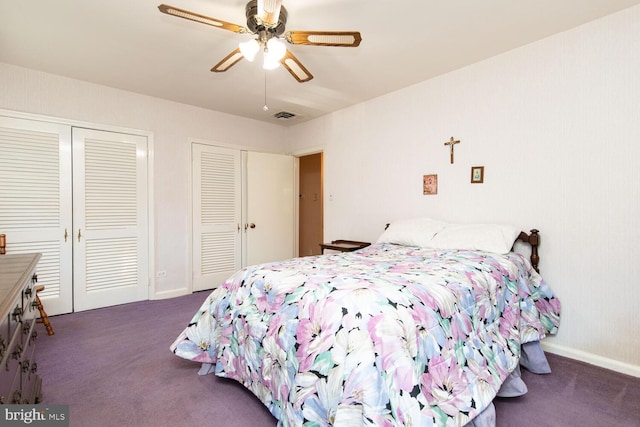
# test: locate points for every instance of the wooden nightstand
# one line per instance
(344, 245)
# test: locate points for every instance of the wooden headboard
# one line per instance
(533, 239)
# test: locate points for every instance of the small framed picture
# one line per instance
(477, 174)
(430, 184)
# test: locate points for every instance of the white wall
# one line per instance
(557, 126)
(172, 125)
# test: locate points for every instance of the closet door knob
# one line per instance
(79, 234)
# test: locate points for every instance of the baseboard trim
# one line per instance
(171, 294)
(593, 359)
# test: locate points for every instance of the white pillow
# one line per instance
(412, 232)
(481, 237)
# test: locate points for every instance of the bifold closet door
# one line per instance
(216, 207)
(110, 218)
(242, 211)
(35, 202)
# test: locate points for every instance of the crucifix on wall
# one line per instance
(451, 143)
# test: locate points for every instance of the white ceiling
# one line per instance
(129, 44)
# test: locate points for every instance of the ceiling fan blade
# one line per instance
(324, 38)
(295, 67)
(228, 61)
(181, 13)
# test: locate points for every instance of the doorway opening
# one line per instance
(310, 204)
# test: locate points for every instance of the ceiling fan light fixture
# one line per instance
(269, 11)
(249, 49)
(270, 62)
(276, 49)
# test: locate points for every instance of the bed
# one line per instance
(425, 327)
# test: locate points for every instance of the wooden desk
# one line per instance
(344, 245)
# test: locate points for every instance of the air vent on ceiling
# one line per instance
(284, 115)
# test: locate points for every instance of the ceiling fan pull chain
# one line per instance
(265, 107)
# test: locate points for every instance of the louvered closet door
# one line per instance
(110, 218)
(216, 215)
(35, 202)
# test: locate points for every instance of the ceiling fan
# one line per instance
(266, 19)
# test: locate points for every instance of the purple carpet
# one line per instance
(113, 367)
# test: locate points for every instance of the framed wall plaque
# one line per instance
(477, 174)
(430, 184)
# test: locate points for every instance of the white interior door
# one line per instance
(216, 215)
(35, 202)
(270, 208)
(110, 218)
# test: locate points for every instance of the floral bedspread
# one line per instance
(385, 336)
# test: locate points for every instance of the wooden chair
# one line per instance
(44, 319)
